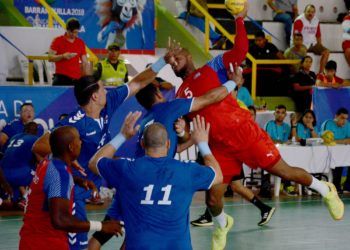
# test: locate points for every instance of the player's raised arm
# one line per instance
(144, 78)
(239, 51)
(127, 131)
(200, 136)
(219, 93)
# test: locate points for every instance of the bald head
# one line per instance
(62, 140)
(155, 136)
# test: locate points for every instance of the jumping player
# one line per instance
(235, 138)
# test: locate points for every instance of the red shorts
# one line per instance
(346, 45)
(43, 243)
(262, 153)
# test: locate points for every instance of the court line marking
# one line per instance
(203, 206)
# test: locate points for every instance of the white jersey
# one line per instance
(309, 30)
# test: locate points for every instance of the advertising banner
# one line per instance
(130, 23)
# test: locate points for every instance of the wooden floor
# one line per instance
(299, 223)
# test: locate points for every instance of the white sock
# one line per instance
(319, 186)
(221, 219)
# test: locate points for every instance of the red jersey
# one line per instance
(71, 67)
(323, 78)
(225, 116)
(53, 179)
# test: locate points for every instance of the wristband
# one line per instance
(182, 134)
(158, 65)
(95, 225)
(117, 141)
(204, 148)
(230, 86)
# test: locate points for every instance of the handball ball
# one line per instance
(235, 6)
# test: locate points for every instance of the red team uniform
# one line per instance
(52, 179)
(235, 138)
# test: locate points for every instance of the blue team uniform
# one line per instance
(304, 132)
(16, 127)
(244, 95)
(18, 163)
(278, 132)
(339, 132)
(93, 134)
(165, 113)
(156, 194)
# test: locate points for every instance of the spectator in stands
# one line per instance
(252, 111)
(196, 18)
(262, 49)
(296, 52)
(284, 11)
(18, 163)
(244, 96)
(112, 70)
(278, 130)
(17, 125)
(66, 51)
(328, 78)
(302, 84)
(346, 37)
(306, 127)
(309, 26)
(341, 129)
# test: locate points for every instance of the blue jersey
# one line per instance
(17, 127)
(165, 113)
(156, 194)
(304, 132)
(244, 95)
(95, 133)
(278, 132)
(19, 161)
(339, 132)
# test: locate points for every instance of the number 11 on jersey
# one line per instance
(149, 189)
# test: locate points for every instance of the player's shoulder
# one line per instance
(14, 122)
(57, 169)
(74, 118)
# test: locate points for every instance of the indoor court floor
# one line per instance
(298, 223)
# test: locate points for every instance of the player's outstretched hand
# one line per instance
(174, 48)
(244, 12)
(200, 131)
(235, 74)
(112, 227)
(129, 129)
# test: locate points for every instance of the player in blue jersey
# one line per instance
(166, 113)
(18, 163)
(17, 126)
(156, 190)
(92, 120)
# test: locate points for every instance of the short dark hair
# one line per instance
(84, 88)
(251, 107)
(304, 58)
(60, 138)
(26, 104)
(146, 96)
(155, 136)
(281, 106)
(31, 128)
(72, 24)
(260, 34)
(309, 5)
(62, 116)
(309, 111)
(298, 34)
(331, 65)
(342, 110)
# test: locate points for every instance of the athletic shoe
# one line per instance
(219, 235)
(204, 220)
(334, 203)
(266, 216)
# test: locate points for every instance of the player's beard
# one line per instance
(182, 73)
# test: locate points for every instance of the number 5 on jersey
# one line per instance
(149, 189)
